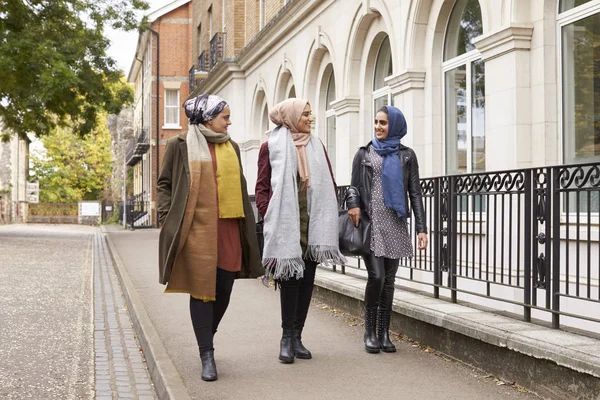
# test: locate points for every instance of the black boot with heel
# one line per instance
(372, 344)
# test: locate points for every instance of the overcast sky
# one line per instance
(123, 44)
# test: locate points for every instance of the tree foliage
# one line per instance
(53, 64)
(71, 168)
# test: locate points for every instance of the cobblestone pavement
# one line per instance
(120, 368)
(64, 330)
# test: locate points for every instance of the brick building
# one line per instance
(164, 51)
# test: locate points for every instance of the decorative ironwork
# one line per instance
(540, 272)
(524, 229)
(192, 78)
(217, 47)
(204, 61)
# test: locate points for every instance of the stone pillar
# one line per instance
(408, 92)
(347, 136)
(508, 96)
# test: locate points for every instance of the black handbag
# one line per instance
(354, 240)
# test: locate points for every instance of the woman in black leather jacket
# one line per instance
(385, 174)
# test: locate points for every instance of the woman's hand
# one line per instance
(354, 214)
(422, 241)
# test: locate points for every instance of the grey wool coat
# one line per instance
(172, 194)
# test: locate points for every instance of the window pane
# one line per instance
(456, 120)
(171, 98)
(331, 141)
(172, 116)
(292, 92)
(330, 92)
(477, 116)
(380, 102)
(566, 5)
(581, 90)
(464, 26)
(383, 65)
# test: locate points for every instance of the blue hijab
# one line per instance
(392, 175)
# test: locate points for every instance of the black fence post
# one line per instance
(529, 241)
(452, 236)
(437, 237)
(554, 193)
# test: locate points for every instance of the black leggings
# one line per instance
(206, 316)
(380, 283)
(295, 296)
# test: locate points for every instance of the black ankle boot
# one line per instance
(299, 350)
(383, 333)
(209, 368)
(286, 352)
(372, 344)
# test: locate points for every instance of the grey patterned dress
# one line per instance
(389, 235)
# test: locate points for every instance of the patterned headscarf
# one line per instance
(203, 108)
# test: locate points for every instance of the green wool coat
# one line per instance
(172, 193)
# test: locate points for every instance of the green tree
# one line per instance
(53, 64)
(71, 168)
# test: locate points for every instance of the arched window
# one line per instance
(383, 69)
(292, 92)
(579, 22)
(330, 119)
(464, 81)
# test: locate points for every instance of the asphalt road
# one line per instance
(46, 349)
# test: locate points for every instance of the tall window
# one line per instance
(464, 80)
(330, 120)
(579, 22)
(171, 108)
(383, 69)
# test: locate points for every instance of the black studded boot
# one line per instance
(383, 333)
(372, 344)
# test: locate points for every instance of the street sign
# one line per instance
(33, 192)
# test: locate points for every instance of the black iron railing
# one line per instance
(204, 61)
(192, 78)
(137, 211)
(527, 238)
(217, 47)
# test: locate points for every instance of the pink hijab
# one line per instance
(288, 114)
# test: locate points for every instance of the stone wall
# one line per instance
(121, 129)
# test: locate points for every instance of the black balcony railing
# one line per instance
(204, 61)
(192, 78)
(138, 147)
(217, 48)
(527, 238)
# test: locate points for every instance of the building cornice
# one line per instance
(249, 144)
(407, 80)
(516, 37)
(346, 105)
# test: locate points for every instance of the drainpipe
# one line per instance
(157, 111)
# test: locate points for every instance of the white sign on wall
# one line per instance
(89, 209)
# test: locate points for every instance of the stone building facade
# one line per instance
(14, 171)
(163, 51)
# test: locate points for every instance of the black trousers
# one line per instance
(206, 316)
(380, 282)
(295, 296)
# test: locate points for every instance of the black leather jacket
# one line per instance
(359, 193)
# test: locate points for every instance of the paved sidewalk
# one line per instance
(247, 346)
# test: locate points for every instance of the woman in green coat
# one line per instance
(208, 228)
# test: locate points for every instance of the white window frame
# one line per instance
(464, 59)
(166, 106)
(563, 19)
